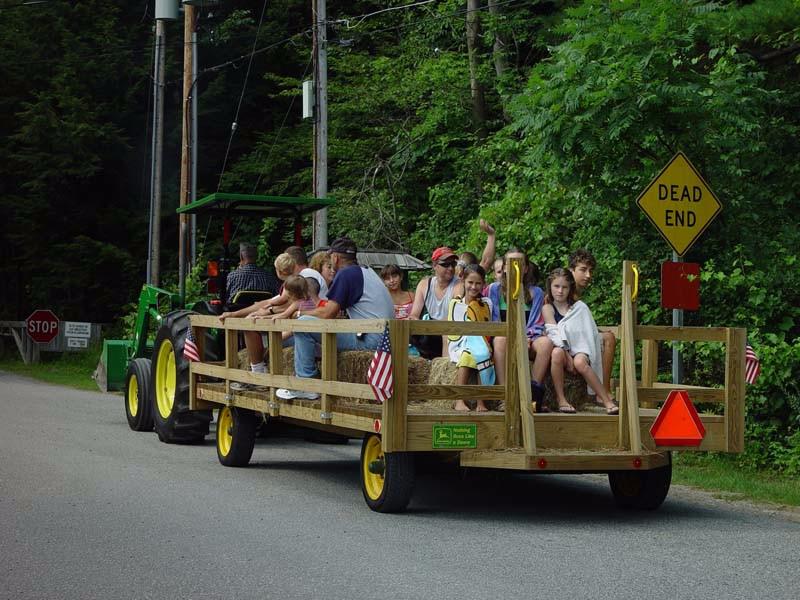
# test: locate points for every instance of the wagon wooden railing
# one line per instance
(724, 432)
(515, 431)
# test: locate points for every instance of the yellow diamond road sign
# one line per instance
(679, 203)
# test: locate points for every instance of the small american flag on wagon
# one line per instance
(379, 374)
(190, 350)
(752, 366)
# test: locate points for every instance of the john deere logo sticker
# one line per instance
(455, 436)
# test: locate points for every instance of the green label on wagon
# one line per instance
(455, 436)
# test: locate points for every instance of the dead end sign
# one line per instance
(679, 203)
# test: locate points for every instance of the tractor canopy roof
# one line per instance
(222, 203)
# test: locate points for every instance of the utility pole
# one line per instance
(164, 10)
(193, 194)
(319, 13)
(189, 22)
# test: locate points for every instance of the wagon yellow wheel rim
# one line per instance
(165, 379)
(133, 396)
(225, 431)
(373, 482)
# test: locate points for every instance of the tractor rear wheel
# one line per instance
(642, 490)
(387, 480)
(236, 435)
(138, 407)
(174, 422)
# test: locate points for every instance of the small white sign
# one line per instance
(77, 343)
(77, 329)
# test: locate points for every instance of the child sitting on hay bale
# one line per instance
(471, 352)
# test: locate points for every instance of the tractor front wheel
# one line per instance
(174, 422)
(643, 490)
(138, 408)
(387, 479)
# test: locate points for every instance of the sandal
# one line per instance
(610, 410)
(567, 409)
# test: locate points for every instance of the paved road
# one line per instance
(90, 509)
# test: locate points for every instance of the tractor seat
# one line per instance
(247, 297)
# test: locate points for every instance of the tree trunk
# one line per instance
(499, 47)
(476, 87)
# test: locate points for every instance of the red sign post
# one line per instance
(42, 326)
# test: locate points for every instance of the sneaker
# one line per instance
(238, 386)
(285, 394)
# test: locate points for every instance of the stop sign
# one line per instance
(42, 326)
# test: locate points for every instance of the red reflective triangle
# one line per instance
(678, 423)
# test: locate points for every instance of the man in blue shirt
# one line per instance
(358, 291)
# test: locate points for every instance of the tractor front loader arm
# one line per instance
(154, 303)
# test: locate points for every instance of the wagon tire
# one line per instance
(138, 405)
(641, 490)
(236, 435)
(390, 491)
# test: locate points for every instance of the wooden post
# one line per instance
(735, 350)
(629, 432)
(394, 427)
(649, 367)
(514, 319)
(275, 367)
(231, 354)
(631, 396)
(329, 373)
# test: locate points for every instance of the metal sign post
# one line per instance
(681, 205)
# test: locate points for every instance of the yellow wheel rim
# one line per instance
(165, 379)
(133, 396)
(225, 431)
(373, 483)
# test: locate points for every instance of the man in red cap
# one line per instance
(433, 296)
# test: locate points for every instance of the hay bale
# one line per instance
(575, 390)
(352, 367)
(443, 372)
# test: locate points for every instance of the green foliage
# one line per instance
(633, 82)
(584, 103)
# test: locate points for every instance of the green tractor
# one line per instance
(154, 374)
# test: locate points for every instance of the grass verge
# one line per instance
(721, 473)
(72, 369)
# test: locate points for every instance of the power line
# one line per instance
(456, 13)
(235, 123)
(31, 3)
(278, 134)
(362, 18)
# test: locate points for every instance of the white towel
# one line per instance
(577, 333)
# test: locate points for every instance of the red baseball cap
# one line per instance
(442, 253)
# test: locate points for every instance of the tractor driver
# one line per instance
(248, 277)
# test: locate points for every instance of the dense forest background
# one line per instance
(547, 118)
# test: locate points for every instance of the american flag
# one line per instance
(752, 367)
(379, 374)
(190, 350)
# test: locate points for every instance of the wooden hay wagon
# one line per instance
(414, 420)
